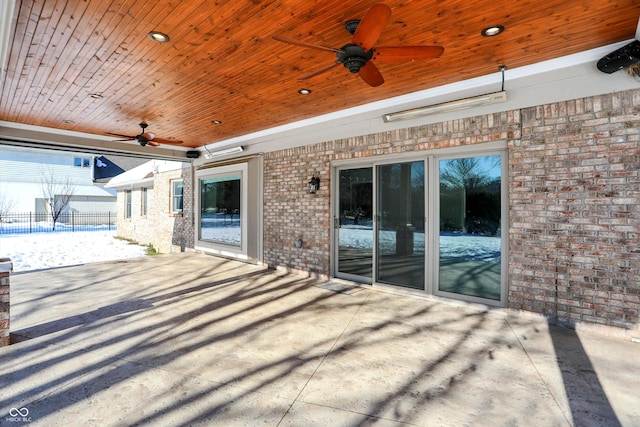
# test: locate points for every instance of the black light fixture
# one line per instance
(314, 184)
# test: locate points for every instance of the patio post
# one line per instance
(5, 271)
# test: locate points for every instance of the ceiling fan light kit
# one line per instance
(445, 107)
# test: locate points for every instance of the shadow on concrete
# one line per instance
(589, 403)
(184, 325)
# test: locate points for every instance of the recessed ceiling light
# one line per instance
(96, 96)
(493, 30)
(69, 122)
(304, 91)
(158, 37)
(216, 122)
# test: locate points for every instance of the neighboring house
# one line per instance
(22, 171)
(151, 202)
(535, 209)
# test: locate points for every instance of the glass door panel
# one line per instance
(220, 219)
(355, 216)
(400, 226)
(470, 234)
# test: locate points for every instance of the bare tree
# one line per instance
(6, 206)
(463, 173)
(467, 176)
(57, 193)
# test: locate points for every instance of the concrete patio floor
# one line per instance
(189, 339)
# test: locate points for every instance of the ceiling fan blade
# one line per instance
(305, 44)
(371, 26)
(148, 136)
(119, 134)
(153, 143)
(370, 74)
(124, 140)
(164, 141)
(320, 71)
(405, 53)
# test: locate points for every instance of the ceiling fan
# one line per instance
(359, 55)
(146, 138)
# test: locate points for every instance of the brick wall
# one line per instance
(167, 232)
(5, 272)
(574, 202)
(575, 211)
(292, 213)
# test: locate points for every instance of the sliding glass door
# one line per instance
(400, 226)
(354, 223)
(470, 243)
(432, 224)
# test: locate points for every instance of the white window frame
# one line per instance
(128, 205)
(144, 201)
(173, 208)
(233, 251)
(84, 162)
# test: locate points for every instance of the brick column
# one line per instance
(5, 271)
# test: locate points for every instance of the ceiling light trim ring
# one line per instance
(492, 31)
(158, 37)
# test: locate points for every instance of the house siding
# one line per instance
(574, 202)
(22, 172)
(165, 231)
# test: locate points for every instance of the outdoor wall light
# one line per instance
(299, 243)
(314, 184)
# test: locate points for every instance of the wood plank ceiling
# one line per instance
(223, 64)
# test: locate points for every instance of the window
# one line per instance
(225, 214)
(220, 213)
(470, 237)
(177, 188)
(127, 204)
(143, 194)
(81, 162)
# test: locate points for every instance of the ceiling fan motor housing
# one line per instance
(353, 57)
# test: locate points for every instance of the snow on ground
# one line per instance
(46, 250)
(452, 245)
